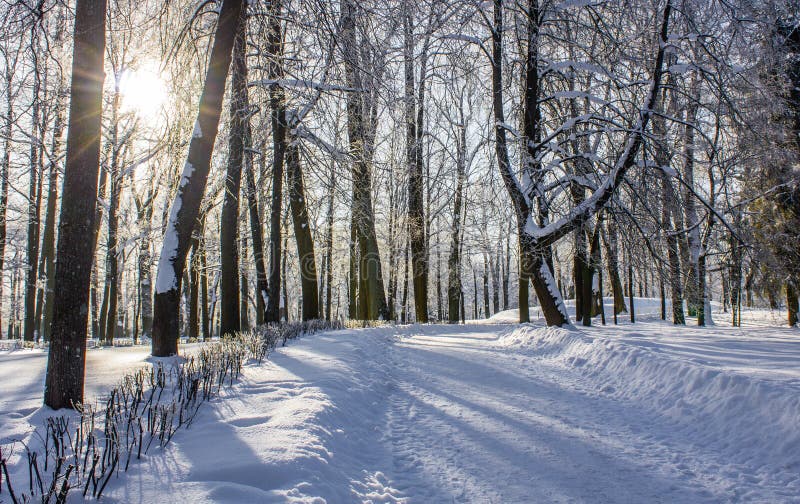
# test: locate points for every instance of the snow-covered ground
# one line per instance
(484, 412)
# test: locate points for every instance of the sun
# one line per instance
(143, 92)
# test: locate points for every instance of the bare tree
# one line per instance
(186, 205)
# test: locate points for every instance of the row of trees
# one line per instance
(402, 161)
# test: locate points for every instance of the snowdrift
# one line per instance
(643, 307)
(750, 419)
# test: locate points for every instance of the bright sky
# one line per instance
(144, 93)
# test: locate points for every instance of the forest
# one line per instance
(201, 168)
(214, 178)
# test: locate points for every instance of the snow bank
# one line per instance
(642, 306)
(745, 417)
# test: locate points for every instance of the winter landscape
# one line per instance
(488, 411)
(435, 251)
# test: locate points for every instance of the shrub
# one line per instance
(146, 407)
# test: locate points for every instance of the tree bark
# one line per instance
(352, 277)
(630, 287)
(194, 285)
(257, 240)
(486, 313)
(302, 234)
(694, 301)
(186, 206)
(230, 321)
(791, 302)
(329, 248)
(454, 287)
(204, 315)
(66, 358)
(612, 260)
(475, 293)
(8, 132)
(32, 257)
(277, 102)
(416, 211)
(391, 300)
(507, 268)
(673, 256)
(109, 311)
(98, 222)
(49, 234)
(404, 312)
(495, 270)
(369, 267)
(244, 288)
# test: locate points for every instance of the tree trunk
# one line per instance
(454, 288)
(416, 212)
(49, 235)
(204, 315)
(524, 286)
(791, 302)
(580, 264)
(194, 286)
(244, 296)
(630, 287)
(66, 358)
(329, 247)
(369, 267)
(391, 300)
(694, 301)
(475, 293)
(229, 220)
(6, 164)
(283, 307)
(612, 260)
(507, 269)
(404, 313)
(186, 206)
(702, 319)
(495, 269)
(256, 236)
(592, 268)
(439, 304)
(32, 259)
(585, 284)
(277, 102)
(302, 234)
(669, 206)
(145, 290)
(97, 327)
(486, 313)
(109, 311)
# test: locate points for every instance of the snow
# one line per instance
(22, 375)
(197, 132)
(552, 288)
(165, 277)
(300, 83)
(483, 412)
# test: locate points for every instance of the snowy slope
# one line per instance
(490, 413)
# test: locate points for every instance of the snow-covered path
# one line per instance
(490, 426)
(490, 413)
